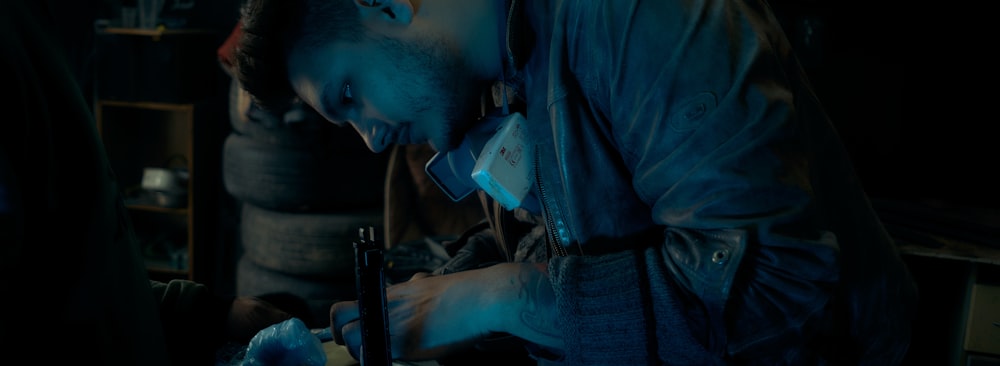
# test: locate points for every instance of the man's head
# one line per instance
(399, 72)
(269, 27)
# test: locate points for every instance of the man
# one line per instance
(74, 284)
(690, 201)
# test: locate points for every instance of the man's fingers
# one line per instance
(352, 338)
(342, 313)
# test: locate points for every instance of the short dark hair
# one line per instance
(269, 30)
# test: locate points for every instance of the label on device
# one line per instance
(495, 157)
(503, 168)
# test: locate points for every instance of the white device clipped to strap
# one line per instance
(502, 166)
(503, 169)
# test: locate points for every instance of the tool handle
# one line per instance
(370, 276)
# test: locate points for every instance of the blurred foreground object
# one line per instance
(288, 343)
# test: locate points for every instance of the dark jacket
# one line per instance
(699, 207)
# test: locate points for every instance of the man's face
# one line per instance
(390, 91)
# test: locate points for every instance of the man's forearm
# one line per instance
(530, 312)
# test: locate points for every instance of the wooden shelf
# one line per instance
(158, 106)
(154, 33)
(140, 134)
(164, 267)
(167, 210)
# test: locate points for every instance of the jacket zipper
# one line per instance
(550, 225)
(506, 36)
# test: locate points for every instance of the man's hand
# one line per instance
(433, 316)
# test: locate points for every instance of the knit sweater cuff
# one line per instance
(600, 301)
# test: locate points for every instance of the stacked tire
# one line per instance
(305, 186)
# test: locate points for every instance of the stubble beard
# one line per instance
(444, 88)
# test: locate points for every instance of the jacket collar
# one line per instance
(519, 38)
(516, 42)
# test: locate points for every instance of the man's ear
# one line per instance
(395, 11)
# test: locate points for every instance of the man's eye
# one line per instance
(346, 97)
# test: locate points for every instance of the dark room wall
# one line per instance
(905, 85)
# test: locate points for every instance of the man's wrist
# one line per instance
(525, 305)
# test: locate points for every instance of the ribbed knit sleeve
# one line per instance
(613, 313)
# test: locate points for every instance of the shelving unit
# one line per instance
(953, 252)
(149, 134)
(150, 91)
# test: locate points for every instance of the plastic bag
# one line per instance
(289, 343)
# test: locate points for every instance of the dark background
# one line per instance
(909, 87)
(173, 69)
